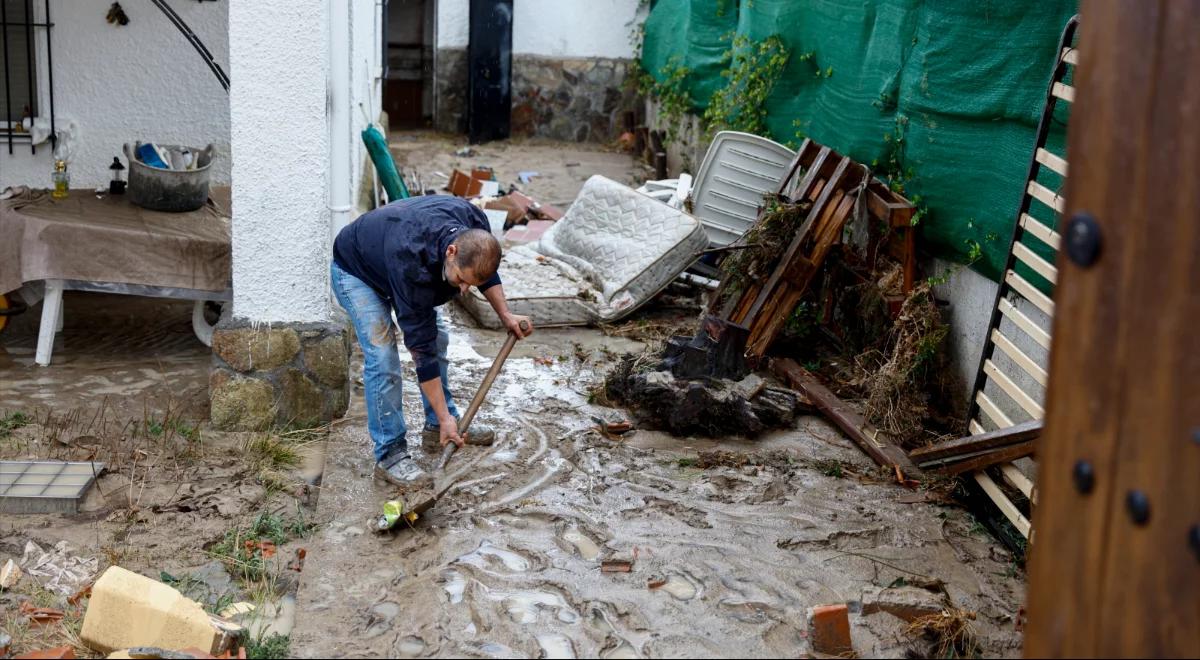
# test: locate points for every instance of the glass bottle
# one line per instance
(62, 180)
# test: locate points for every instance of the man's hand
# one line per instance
(513, 323)
(449, 432)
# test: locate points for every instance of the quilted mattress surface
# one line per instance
(611, 253)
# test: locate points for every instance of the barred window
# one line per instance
(18, 94)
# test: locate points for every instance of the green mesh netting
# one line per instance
(962, 84)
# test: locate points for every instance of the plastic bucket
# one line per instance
(174, 191)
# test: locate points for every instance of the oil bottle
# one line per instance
(62, 180)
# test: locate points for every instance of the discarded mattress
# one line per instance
(611, 253)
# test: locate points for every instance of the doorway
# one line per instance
(408, 79)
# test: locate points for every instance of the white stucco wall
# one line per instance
(366, 89)
(971, 297)
(280, 147)
(141, 81)
(553, 28)
(452, 27)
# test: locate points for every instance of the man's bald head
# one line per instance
(478, 252)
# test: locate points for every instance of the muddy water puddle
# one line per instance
(725, 563)
(583, 544)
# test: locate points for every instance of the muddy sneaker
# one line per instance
(399, 469)
(482, 435)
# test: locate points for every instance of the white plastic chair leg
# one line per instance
(51, 321)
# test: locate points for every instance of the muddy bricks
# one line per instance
(829, 630)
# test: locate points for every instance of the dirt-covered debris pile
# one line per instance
(699, 406)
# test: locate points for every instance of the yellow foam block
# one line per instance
(128, 610)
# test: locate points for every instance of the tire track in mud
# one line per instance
(505, 584)
(526, 598)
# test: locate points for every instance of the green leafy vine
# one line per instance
(672, 95)
(752, 70)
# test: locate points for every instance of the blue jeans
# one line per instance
(372, 318)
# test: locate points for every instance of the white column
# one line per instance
(279, 69)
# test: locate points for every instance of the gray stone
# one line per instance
(239, 403)
(536, 72)
(328, 359)
(598, 127)
(580, 106)
(337, 401)
(749, 386)
(612, 100)
(578, 68)
(301, 401)
(451, 80)
(560, 128)
(599, 76)
(211, 582)
(571, 99)
(249, 348)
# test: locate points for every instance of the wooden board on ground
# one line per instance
(1023, 432)
(878, 445)
(980, 460)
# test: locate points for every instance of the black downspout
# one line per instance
(50, 75)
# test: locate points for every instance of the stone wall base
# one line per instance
(282, 374)
(572, 99)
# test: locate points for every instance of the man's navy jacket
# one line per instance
(399, 250)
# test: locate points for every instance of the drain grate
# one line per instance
(45, 486)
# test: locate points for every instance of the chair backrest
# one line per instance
(738, 169)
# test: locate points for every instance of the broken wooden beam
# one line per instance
(980, 442)
(875, 443)
(979, 460)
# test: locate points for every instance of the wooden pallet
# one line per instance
(833, 184)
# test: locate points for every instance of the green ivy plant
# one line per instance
(752, 70)
(895, 170)
(811, 58)
(672, 95)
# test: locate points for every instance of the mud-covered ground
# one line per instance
(726, 560)
(561, 167)
(177, 500)
(509, 564)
